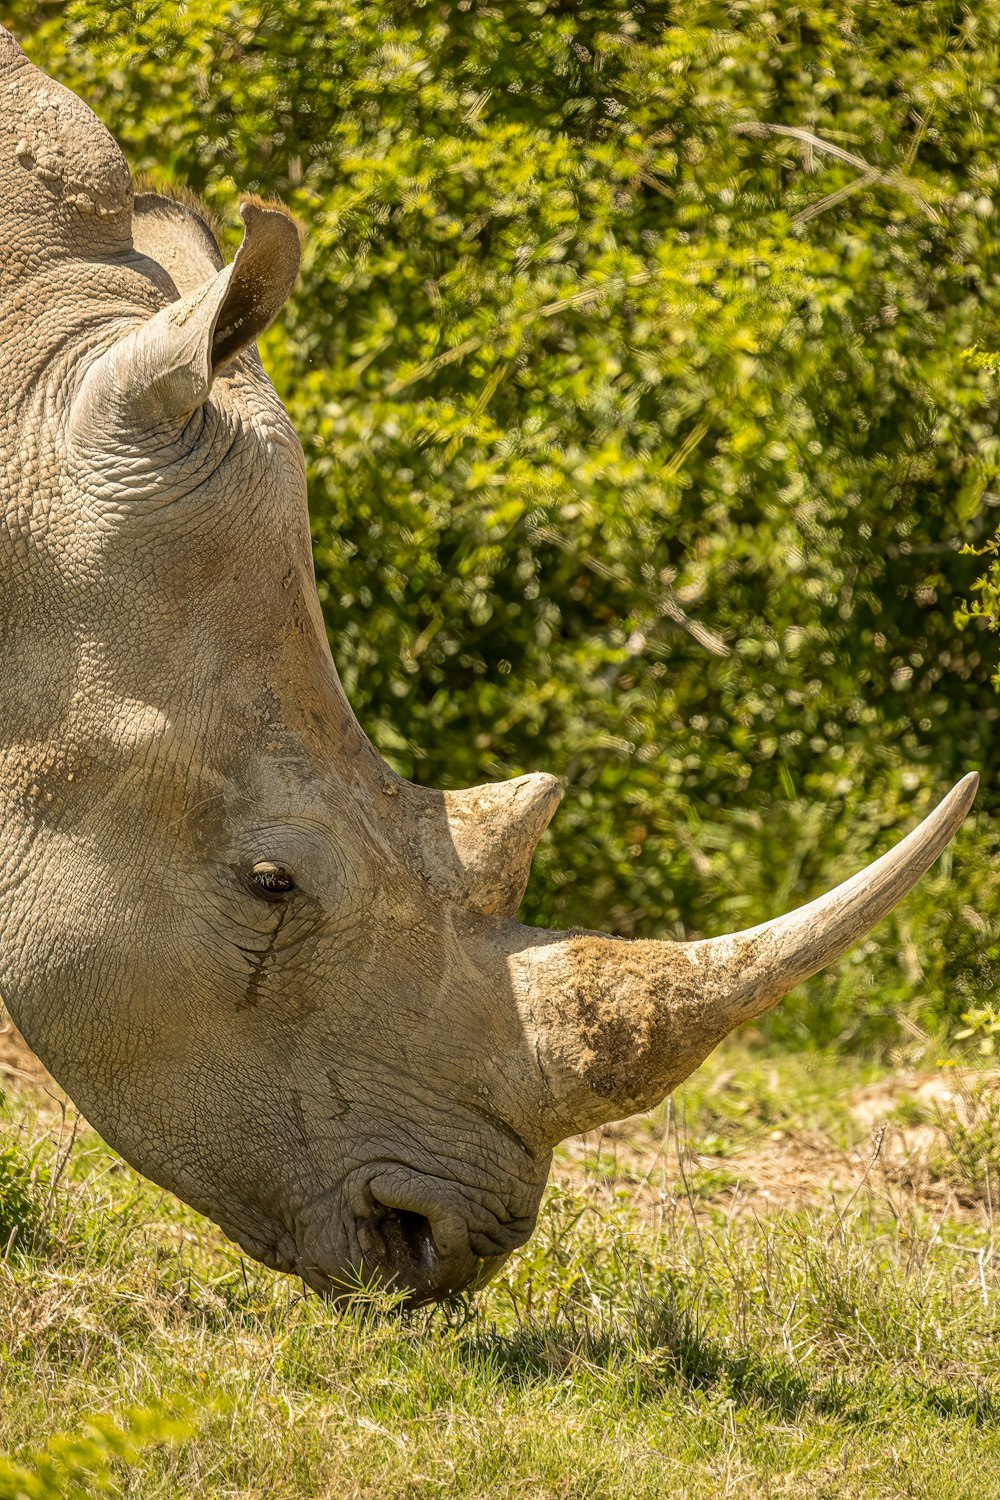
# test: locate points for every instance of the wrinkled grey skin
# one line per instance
(284, 983)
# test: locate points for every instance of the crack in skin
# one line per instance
(508, 1130)
(258, 962)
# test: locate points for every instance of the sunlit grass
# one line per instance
(664, 1345)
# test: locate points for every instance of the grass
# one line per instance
(666, 1332)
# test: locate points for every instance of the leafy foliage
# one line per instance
(24, 1184)
(629, 362)
(983, 1024)
(78, 1467)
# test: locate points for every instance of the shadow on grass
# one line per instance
(662, 1349)
(885, 1392)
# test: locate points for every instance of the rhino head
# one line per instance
(280, 980)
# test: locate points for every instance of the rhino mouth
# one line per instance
(402, 1238)
(407, 1234)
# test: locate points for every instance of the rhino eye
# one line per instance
(270, 880)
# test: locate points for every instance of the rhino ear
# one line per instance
(261, 279)
(163, 371)
(178, 235)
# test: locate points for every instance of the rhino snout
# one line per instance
(408, 1233)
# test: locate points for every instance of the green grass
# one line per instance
(644, 1344)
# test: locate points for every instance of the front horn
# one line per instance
(617, 1023)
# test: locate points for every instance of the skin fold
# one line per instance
(280, 980)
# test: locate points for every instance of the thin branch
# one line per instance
(668, 606)
(918, 136)
(876, 174)
(549, 310)
(837, 196)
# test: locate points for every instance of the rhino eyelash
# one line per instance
(271, 881)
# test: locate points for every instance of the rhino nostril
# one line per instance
(423, 1239)
(407, 1238)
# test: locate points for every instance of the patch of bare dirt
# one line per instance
(946, 1089)
(18, 1064)
(935, 1126)
(904, 1157)
(779, 1172)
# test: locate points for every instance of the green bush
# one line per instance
(24, 1185)
(641, 443)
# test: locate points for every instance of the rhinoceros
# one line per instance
(282, 981)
